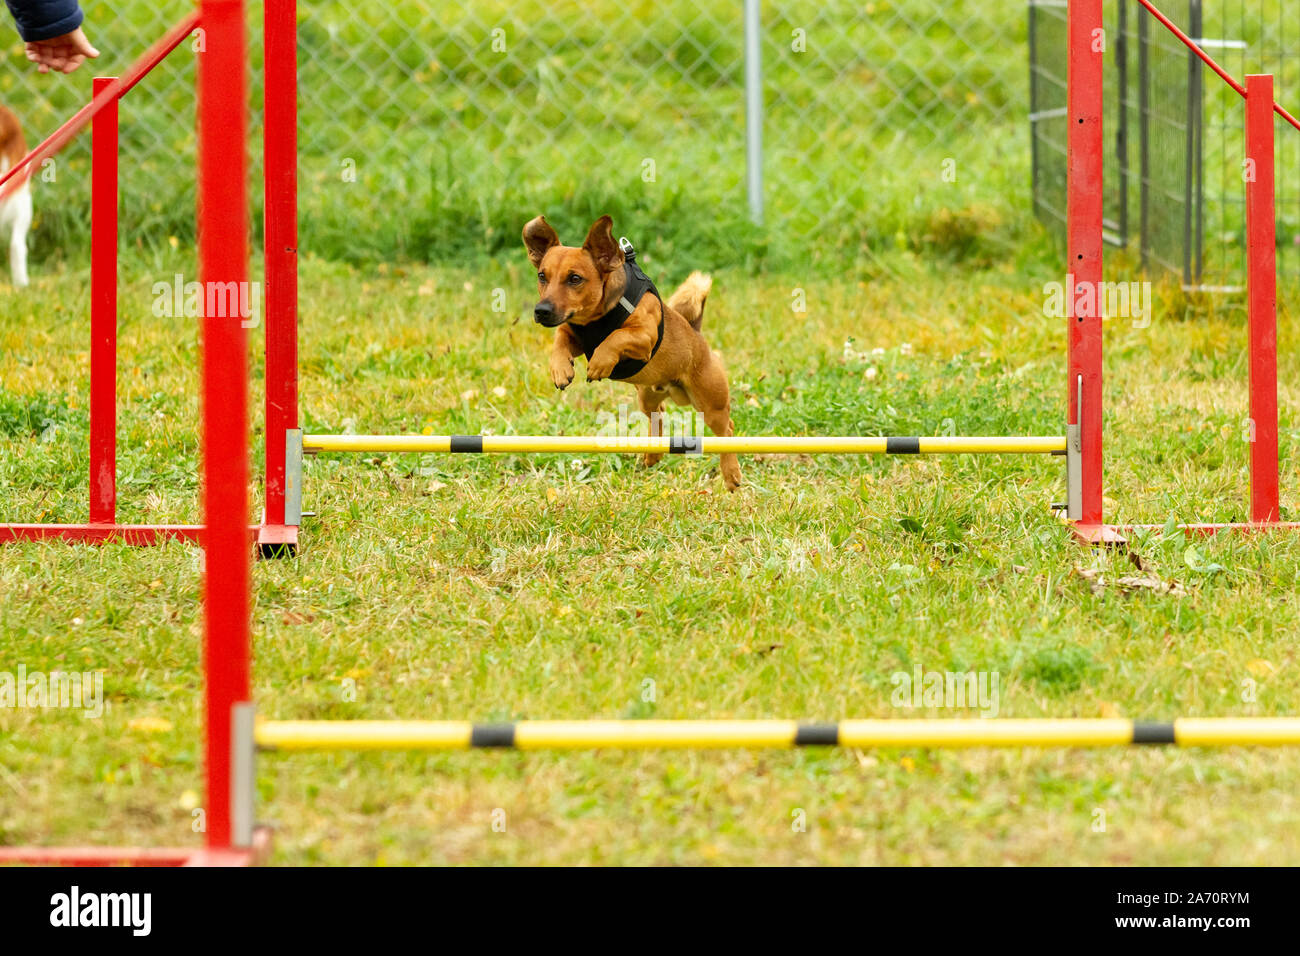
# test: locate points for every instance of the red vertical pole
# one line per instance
(280, 135)
(1261, 253)
(103, 310)
(223, 258)
(1084, 212)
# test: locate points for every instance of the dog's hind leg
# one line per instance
(651, 402)
(719, 422)
(710, 395)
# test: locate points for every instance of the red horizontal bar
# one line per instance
(96, 856)
(139, 535)
(1285, 115)
(139, 856)
(1209, 60)
(136, 534)
(1115, 533)
(134, 74)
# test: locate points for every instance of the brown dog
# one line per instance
(602, 306)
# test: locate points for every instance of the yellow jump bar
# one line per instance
(724, 734)
(683, 445)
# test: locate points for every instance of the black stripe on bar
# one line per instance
(467, 443)
(1146, 733)
(492, 735)
(817, 735)
(685, 445)
(902, 446)
(1059, 452)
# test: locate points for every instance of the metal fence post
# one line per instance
(1034, 106)
(1144, 137)
(1121, 139)
(754, 110)
(1189, 160)
(1197, 99)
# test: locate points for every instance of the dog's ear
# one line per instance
(601, 245)
(539, 237)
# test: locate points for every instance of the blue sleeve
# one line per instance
(45, 19)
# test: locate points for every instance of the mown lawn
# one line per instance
(553, 587)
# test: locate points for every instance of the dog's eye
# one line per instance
(575, 279)
(541, 277)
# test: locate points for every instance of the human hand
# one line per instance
(62, 54)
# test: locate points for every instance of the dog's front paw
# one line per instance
(601, 365)
(562, 373)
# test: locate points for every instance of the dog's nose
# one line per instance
(544, 313)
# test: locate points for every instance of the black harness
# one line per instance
(593, 333)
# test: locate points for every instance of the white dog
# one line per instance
(16, 209)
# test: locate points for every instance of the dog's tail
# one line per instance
(13, 146)
(689, 298)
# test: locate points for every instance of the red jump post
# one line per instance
(280, 161)
(103, 311)
(1084, 214)
(1261, 253)
(223, 258)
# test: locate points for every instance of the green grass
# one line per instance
(562, 587)
(548, 587)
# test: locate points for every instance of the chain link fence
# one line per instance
(1248, 36)
(432, 131)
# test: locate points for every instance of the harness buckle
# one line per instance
(626, 245)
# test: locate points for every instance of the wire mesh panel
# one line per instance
(1261, 36)
(1048, 80)
(1167, 160)
(1148, 169)
(1174, 188)
(1048, 86)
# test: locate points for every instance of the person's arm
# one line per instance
(45, 19)
(51, 32)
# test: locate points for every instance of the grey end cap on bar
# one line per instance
(1074, 459)
(243, 780)
(293, 476)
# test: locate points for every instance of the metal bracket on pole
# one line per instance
(243, 780)
(293, 476)
(1074, 459)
